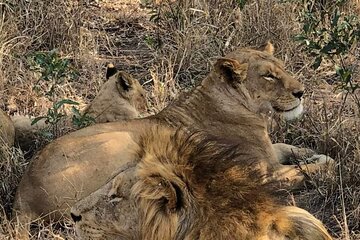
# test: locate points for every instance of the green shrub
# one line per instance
(329, 34)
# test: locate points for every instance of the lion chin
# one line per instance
(293, 113)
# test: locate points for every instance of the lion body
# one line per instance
(228, 103)
(191, 186)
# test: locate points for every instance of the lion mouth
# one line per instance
(292, 113)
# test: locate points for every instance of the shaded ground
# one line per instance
(122, 28)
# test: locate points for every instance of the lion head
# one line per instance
(121, 97)
(190, 186)
(268, 84)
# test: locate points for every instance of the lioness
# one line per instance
(121, 97)
(228, 103)
(191, 186)
(7, 131)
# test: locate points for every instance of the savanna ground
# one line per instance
(170, 46)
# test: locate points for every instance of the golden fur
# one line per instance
(7, 131)
(229, 103)
(190, 186)
(121, 97)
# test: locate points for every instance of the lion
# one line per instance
(121, 97)
(191, 186)
(7, 131)
(229, 102)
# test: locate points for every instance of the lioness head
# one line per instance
(128, 87)
(263, 76)
(121, 97)
(190, 186)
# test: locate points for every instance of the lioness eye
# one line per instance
(269, 77)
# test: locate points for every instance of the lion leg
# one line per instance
(296, 223)
(293, 177)
(288, 154)
(26, 208)
(22, 225)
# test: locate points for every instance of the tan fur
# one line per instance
(190, 186)
(114, 103)
(229, 102)
(25, 133)
(7, 131)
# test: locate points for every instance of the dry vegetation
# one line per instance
(169, 46)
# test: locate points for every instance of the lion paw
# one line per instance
(320, 159)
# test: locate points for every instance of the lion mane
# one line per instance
(194, 186)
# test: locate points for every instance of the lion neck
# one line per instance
(219, 108)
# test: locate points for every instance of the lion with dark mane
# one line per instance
(191, 186)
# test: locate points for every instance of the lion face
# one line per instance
(267, 82)
(121, 97)
(108, 213)
(131, 90)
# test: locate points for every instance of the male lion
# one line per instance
(191, 186)
(227, 103)
(7, 131)
(121, 97)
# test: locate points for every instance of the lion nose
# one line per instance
(298, 94)
(76, 218)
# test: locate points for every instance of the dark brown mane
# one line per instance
(213, 177)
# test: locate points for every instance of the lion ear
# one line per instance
(269, 48)
(125, 81)
(110, 71)
(166, 194)
(231, 69)
(171, 196)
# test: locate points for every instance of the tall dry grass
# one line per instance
(171, 46)
(31, 26)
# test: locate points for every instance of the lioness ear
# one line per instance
(269, 48)
(125, 81)
(110, 70)
(231, 69)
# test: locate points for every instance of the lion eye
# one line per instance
(269, 77)
(113, 196)
(116, 200)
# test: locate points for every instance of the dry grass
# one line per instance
(171, 47)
